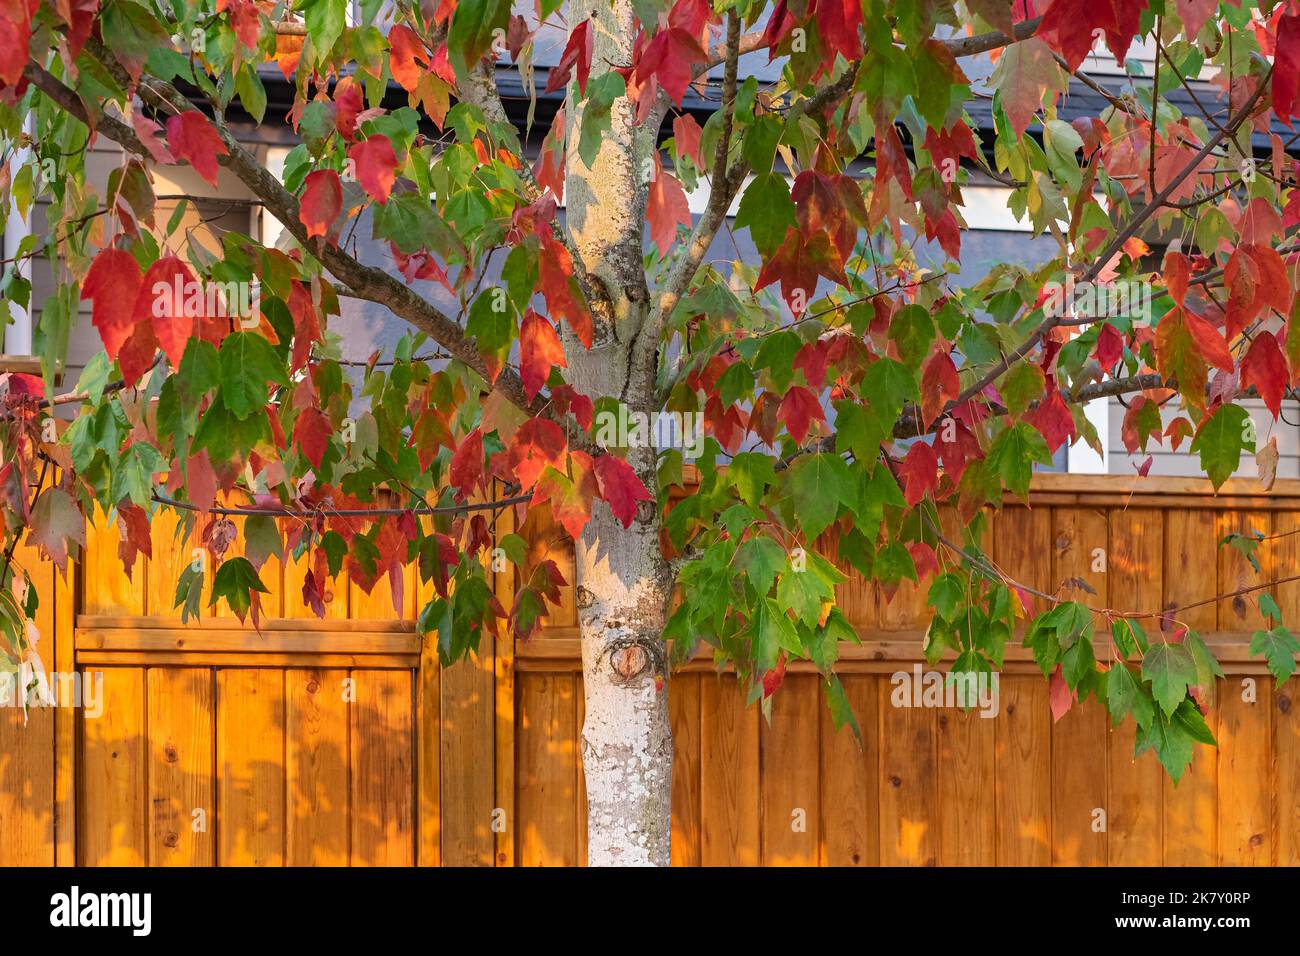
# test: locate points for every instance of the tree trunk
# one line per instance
(623, 582)
(627, 746)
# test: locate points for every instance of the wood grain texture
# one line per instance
(909, 786)
(1079, 772)
(383, 773)
(28, 740)
(850, 779)
(791, 801)
(1022, 785)
(1241, 612)
(1246, 776)
(684, 714)
(547, 799)
(468, 741)
(1191, 549)
(729, 775)
(1134, 810)
(1190, 810)
(112, 827)
(1286, 791)
(250, 767)
(317, 767)
(182, 805)
(107, 588)
(967, 796)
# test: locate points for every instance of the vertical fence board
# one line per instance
(850, 787)
(1024, 767)
(250, 763)
(107, 589)
(547, 743)
(966, 788)
(1245, 776)
(684, 707)
(180, 769)
(317, 762)
(1286, 755)
(172, 551)
(467, 710)
(909, 786)
(383, 781)
(1191, 826)
(1134, 810)
(428, 736)
(791, 804)
(1241, 612)
(27, 743)
(112, 802)
(1190, 549)
(1079, 758)
(729, 777)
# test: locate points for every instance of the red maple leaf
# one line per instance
(539, 351)
(1265, 368)
(686, 137)
(1052, 417)
(1286, 67)
(538, 443)
(577, 52)
(555, 274)
(406, 51)
(137, 353)
(376, 166)
(797, 265)
(193, 138)
(245, 21)
(112, 284)
(919, 472)
(799, 407)
(16, 27)
(467, 464)
(312, 433)
(170, 298)
(620, 487)
(306, 325)
(348, 106)
(666, 208)
(133, 528)
(322, 201)
(570, 497)
(939, 385)
(669, 58)
(1071, 25)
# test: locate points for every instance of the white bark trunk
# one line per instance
(623, 581)
(627, 747)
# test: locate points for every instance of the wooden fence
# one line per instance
(341, 742)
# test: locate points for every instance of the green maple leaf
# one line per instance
(1279, 647)
(760, 558)
(1171, 670)
(1220, 441)
(1013, 453)
(248, 365)
(236, 580)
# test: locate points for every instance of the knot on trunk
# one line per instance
(630, 658)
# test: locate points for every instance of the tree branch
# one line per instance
(1116, 244)
(365, 282)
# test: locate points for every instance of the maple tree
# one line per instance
(843, 383)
